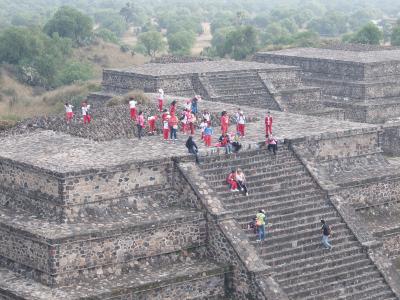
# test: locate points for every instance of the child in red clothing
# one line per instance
(172, 108)
(152, 124)
(231, 180)
(166, 128)
(224, 122)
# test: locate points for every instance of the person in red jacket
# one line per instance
(231, 180)
(152, 123)
(268, 124)
(172, 108)
(224, 122)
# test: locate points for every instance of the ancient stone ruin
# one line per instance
(94, 213)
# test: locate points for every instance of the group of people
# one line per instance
(69, 113)
(237, 181)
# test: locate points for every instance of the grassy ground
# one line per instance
(19, 101)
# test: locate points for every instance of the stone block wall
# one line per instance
(121, 82)
(60, 197)
(282, 79)
(389, 138)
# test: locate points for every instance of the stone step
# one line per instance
(329, 278)
(258, 171)
(340, 288)
(200, 279)
(254, 206)
(59, 254)
(294, 276)
(306, 184)
(269, 197)
(297, 230)
(275, 183)
(299, 224)
(270, 249)
(325, 211)
(231, 86)
(212, 164)
(314, 254)
(240, 91)
(376, 292)
(321, 256)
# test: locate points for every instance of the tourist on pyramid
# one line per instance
(224, 122)
(241, 181)
(166, 128)
(225, 141)
(85, 113)
(172, 108)
(68, 112)
(184, 120)
(272, 143)
(160, 98)
(268, 123)
(188, 105)
(231, 180)
(260, 223)
(326, 233)
(164, 115)
(191, 119)
(132, 107)
(140, 124)
(152, 123)
(236, 145)
(173, 127)
(192, 148)
(241, 121)
(237, 118)
(207, 116)
(195, 101)
(203, 126)
(208, 132)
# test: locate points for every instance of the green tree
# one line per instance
(74, 71)
(219, 42)
(181, 42)
(150, 43)
(369, 34)
(111, 21)
(107, 35)
(395, 36)
(243, 42)
(71, 23)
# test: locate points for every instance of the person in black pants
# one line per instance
(192, 148)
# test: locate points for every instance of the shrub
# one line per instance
(139, 96)
(73, 72)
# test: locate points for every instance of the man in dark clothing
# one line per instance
(192, 148)
(326, 233)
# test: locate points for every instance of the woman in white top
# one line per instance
(241, 181)
(68, 112)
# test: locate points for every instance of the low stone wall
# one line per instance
(122, 82)
(171, 59)
(389, 138)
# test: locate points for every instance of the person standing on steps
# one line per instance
(132, 107)
(241, 181)
(166, 128)
(326, 233)
(224, 122)
(85, 113)
(192, 148)
(140, 124)
(260, 223)
(268, 123)
(172, 108)
(208, 132)
(195, 101)
(241, 123)
(173, 127)
(68, 112)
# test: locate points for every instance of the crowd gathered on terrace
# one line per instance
(188, 121)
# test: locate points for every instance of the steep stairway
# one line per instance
(295, 205)
(242, 88)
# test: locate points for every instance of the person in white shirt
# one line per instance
(203, 125)
(85, 113)
(160, 98)
(241, 181)
(241, 121)
(68, 112)
(132, 107)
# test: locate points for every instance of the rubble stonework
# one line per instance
(87, 212)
